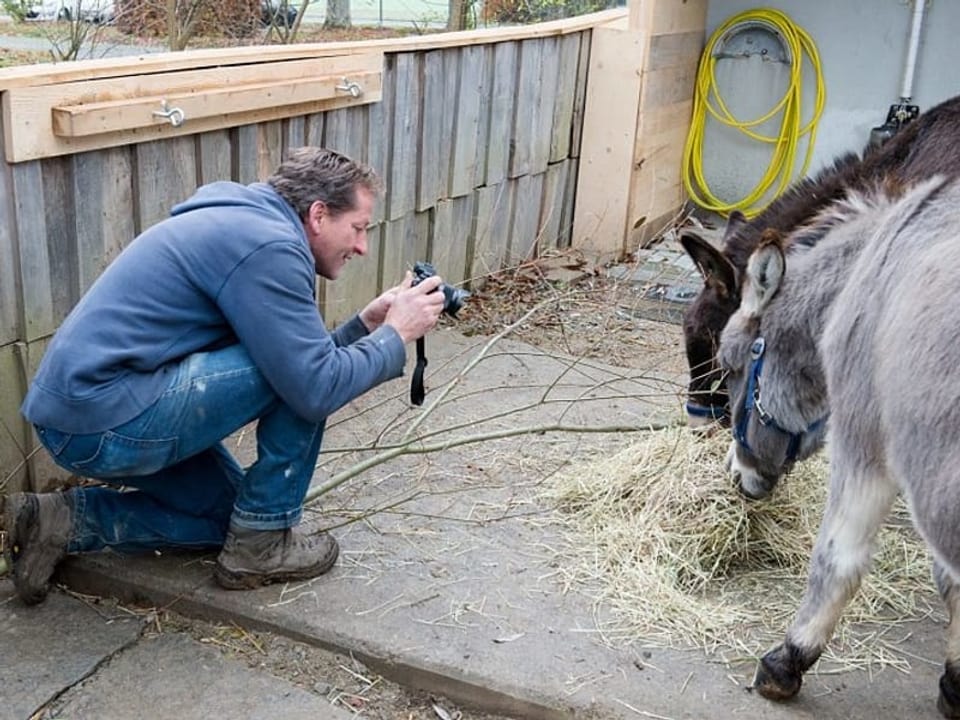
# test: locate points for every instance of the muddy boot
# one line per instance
(38, 529)
(251, 558)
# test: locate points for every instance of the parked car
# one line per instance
(50, 10)
(277, 12)
(95, 11)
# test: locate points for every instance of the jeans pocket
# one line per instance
(53, 440)
(121, 456)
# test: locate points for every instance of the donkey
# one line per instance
(927, 146)
(863, 326)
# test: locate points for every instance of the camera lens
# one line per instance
(453, 299)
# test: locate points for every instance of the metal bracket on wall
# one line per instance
(754, 37)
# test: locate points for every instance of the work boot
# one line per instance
(251, 558)
(38, 529)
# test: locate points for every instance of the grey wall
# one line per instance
(863, 48)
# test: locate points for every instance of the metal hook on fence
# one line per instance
(175, 115)
(350, 86)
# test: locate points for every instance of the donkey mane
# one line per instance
(907, 158)
(796, 206)
(875, 196)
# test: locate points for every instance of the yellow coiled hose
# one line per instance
(707, 99)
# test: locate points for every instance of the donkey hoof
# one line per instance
(948, 703)
(777, 678)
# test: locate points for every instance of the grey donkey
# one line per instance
(863, 327)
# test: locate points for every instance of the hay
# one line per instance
(682, 558)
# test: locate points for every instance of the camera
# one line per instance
(453, 298)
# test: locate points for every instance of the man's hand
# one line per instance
(412, 311)
(373, 315)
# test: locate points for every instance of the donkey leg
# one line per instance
(948, 703)
(857, 506)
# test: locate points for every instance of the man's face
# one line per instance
(334, 239)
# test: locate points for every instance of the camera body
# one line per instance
(453, 298)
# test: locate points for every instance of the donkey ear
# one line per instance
(735, 221)
(717, 271)
(764, 274)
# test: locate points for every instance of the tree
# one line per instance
(338, 14)
(460, 16)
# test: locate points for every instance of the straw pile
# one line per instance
(681, 558)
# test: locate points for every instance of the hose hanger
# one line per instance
(753, 37)
(774, 37)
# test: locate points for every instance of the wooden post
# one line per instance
(639, 99)
(609, 133)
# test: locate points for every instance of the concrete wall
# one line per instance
(863, 48)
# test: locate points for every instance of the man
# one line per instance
(206, 322)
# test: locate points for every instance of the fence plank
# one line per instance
(270, 137)
(466, 134)
(432, 176)
(485, 91)
(505, 58)
(551, 211)
(294, 133)
(580, 95)
(59, 208)
(345, 131)
(565, 238)
(14, 437)
(315, 124)
(104, 220)
(214, 155)
(527, 117)
(166, 175)
(259, 150)
(546, 101)
(528, 197)
(450, 242)
(562, 129)
(34, 263)
(491, 229)
(405, 126)
(10, 290)
(378, 150)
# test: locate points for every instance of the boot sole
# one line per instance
(239, 580)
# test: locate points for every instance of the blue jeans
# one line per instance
(174, 484)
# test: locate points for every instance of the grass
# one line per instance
(11, 58)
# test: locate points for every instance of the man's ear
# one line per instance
(315, 214)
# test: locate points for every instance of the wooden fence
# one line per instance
(477, 135)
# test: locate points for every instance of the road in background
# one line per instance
(388, 13)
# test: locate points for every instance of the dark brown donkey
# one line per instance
(927, 146)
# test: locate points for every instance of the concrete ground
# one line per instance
(450, 580)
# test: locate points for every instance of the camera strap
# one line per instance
(417, 392)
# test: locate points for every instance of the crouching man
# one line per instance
(204, 323)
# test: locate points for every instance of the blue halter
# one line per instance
(752, 402)
(714, 412)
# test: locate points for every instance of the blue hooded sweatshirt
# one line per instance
(230, 265)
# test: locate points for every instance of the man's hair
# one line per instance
(313, 173)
